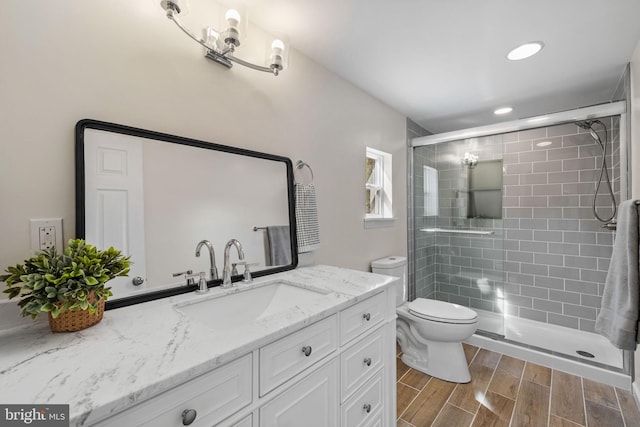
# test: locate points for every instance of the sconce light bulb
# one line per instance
(233, 17)
(277, 46)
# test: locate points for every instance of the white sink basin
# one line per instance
(248, 306)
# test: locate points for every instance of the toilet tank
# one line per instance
(394, 266)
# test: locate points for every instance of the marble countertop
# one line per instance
(139, 351)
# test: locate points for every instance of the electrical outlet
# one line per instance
(46, 233)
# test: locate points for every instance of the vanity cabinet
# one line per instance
(337, 371)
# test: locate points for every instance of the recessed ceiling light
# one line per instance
(503, 110)
(525, 50)
(543, 144)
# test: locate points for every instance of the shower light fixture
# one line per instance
(503, 110)
(525, 50)
(221, 45)
(470, 159)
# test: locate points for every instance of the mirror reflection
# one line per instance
(172, 204)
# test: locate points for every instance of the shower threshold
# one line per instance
(553, 346)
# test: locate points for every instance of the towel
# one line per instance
(620, 312)
(279, 245)
(308, 230)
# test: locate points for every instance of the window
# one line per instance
(378, 193)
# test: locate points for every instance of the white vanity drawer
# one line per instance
(360, 362)
(361, 317)
(214, 396)
(290, 355)
(363, 407)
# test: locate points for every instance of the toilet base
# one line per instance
(447, 362)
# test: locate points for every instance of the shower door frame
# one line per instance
(563, 117)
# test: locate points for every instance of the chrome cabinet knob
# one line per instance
(367, 361)
(137, 281)
(306, 350)
(189, 416)
(367, 408)
(366, 316)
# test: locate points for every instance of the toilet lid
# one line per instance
(441, 311)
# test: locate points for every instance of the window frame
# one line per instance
(382, 214)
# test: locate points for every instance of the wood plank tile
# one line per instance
(504, 384)
(567, 400)
(450, 416)
(401, 368)
(467, 396)
(487, 358)
(427, 404)
(469, 351)
(537, 374)
(403, 423)
(602, 416)
(556, 421)
(532, 406)
(511, 366)
(601, 394)
(404, 396)
(496, 411)
(629, 408)
(415, 379)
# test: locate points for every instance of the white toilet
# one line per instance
(430, 332)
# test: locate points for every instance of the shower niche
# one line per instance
(484, 190)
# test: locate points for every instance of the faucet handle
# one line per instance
(187, 275)
(202, 283)
(247, 273)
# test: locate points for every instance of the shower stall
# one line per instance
(502, 221)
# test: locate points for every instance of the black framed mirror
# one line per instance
(156, 196)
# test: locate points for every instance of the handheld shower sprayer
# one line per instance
(610, 222)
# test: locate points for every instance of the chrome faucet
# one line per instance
(226, 273)
(212, 257)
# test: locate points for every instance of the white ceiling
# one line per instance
(443, 62)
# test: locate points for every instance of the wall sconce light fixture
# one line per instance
(220, 46)
(470, 159)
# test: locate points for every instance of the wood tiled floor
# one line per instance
(505, 391)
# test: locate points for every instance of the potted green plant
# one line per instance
(69, 286)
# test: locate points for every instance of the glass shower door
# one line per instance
(459, 245)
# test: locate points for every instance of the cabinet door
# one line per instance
(245, 422)
(313, 402)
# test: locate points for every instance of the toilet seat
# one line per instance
(441, 311)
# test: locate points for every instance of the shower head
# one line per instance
(588, 125)
(585, 124)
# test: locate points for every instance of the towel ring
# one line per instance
(300, 164)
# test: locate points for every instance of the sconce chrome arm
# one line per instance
(226, 56)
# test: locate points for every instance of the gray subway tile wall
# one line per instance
(547, 258)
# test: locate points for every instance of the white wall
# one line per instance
(635, 164)
(122, 61)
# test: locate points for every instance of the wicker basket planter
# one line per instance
(77, 320)
(71, 287)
